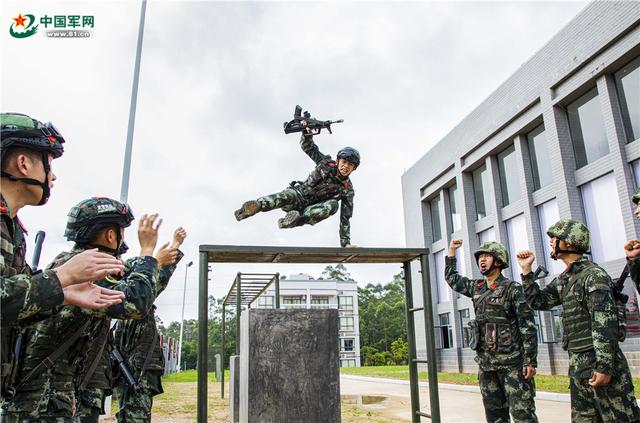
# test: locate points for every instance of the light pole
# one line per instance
(184, 291)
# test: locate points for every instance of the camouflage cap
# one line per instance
(636, 197)
(572, 232)
(93, 214)
(497, 250)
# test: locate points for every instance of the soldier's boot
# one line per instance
(292, 219)
(248, 209)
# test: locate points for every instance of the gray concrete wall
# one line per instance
(289, 366)
(234, 388)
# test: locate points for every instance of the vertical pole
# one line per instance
(223, 324)
(277, 290)
(238, 310)
(126, 168)
(432, 364)
(411, 340)
(203, 345)
(184, 294)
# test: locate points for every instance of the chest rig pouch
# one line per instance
(494, 319)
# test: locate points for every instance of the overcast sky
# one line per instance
(217, 82)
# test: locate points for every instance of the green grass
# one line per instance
(191, 376)
(557, 383)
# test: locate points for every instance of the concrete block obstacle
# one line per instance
(289, 366)
(218, 368)
(234, 388)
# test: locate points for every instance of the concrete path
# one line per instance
(455, 406)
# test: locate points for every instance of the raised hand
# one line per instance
(525, 260)
(166, 255)
(632, 249)
(148, 233)
(88, 295)
(453, 246)
(89, 265)
(178, 237)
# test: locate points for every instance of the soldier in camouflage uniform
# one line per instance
(504, 335)
(599, 377)
(632, 248)
(317, 198)
(139, 343)
(96, 382)
(27, 149)
(55, 349)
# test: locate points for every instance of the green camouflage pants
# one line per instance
(505, 391)
(291, 199)
(90, 405)
(135, 407)
(615, 402)
(27, 418)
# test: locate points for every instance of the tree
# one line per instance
(339, 273)
(400, 351)
(382, 319)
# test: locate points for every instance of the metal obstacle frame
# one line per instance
(308, 255)
(244, 290)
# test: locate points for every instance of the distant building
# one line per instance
(302, 291)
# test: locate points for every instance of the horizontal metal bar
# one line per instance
(413, 310)
(420, 360)
(420, 413)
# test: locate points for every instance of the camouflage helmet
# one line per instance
(89, 216)
(350, 154)
(497, 250)
(636, 197)
(19, 130)
(572, 232)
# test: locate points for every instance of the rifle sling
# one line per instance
(147, 359)
(50, 360)
(94, 363)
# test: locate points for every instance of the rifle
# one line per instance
(38, 249)
(314, 125)
(618, 285)
(122, 365)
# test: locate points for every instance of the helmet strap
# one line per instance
(558, 250)
(46, 192)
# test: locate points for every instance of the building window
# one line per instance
(605, 223)
(265, 302)
(487, 235)
(444, 292)
(556, 317)
(481, 186)
(548, 215)
(460, 261)
(517, 235)
(319, 300)
(454, 216)
(464, 328)
(446, 332)
(346, 324)
(509, 179)
(539, 157)
(587, 129)
(294, 300)
(435, 219)
(345, 303)
(347, 344)
(628, 84)
(636, 172)
(348, 363)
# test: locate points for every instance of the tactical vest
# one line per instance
(323, 183)
(576, 320)
(95, 370)
(15, 263)
(139, 343)
(495, 315)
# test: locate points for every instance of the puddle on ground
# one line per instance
(362, 399)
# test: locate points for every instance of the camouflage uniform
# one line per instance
(317, 197)
(634, 263)
(136, 339)
(507, 342)
(49, 395)
(590, 332)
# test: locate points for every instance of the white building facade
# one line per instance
(303, 291)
